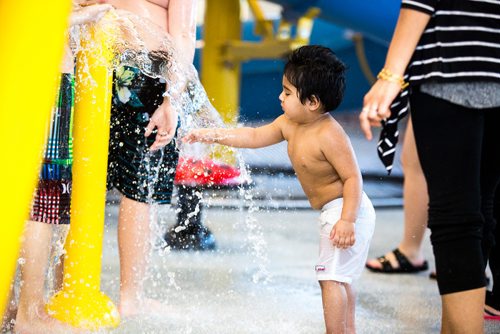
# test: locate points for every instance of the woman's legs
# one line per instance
(493, 296)
(415, 206)
(462, 312)
(450, 141)
(415, 200)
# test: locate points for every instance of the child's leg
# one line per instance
(31, 314)
(9, 315)
(33, 258)
(351, 308)
(133, 237)
(134, 232)
(335, 306)
(60, 232)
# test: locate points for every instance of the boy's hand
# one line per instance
(207, 136)
(89, 14)
(164, 120)
(342, 234)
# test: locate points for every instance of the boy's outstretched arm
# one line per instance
(245, 137)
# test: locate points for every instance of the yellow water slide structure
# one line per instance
(80, 303)
(224, 51)
(31, 45)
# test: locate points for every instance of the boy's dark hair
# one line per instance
(316, 71)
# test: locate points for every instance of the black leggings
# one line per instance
(459, 150)
(494, 259)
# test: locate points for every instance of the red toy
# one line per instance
(205, 173)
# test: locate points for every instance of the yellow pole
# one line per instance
(31, 45)
(80, 302)
(263, 27)
(221, 80)
(304, 27)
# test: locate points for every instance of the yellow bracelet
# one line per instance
(387, 75)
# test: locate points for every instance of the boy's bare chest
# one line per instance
(305, 156)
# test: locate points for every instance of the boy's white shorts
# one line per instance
(344, 265)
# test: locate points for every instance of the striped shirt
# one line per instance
(460, 43)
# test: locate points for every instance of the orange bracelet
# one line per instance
(387, 75)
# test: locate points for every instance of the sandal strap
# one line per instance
(404, 264)
(402, 259)
(386, 264)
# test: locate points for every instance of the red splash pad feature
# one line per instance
(206, 173)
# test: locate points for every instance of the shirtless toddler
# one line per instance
(325, 164)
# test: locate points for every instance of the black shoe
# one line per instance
(195, 239)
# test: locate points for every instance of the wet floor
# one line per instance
(261, 279)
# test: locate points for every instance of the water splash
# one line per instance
(56, 256)
(142, 45)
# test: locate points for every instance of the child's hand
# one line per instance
(342, 234)
(207, 136)
(89, 14)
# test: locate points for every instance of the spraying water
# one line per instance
(142, 48)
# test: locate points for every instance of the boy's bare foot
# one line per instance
(37, 321)
(397, 262)
(143, 307)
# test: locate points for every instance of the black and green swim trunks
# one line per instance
(138, 173)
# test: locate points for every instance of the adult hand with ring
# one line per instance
(164, 119)
(376, 105)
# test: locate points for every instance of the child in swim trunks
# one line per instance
(325, 164)
(142, 152)
(51, 203)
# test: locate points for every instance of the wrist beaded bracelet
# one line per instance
(387, 75)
